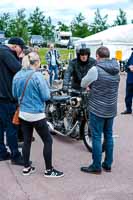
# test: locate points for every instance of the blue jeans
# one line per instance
(7, 111)
(51, 69)
(98, 126)
(129, 96)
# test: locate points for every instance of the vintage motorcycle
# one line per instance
(67, 115)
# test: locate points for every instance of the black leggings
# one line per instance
(42, 129)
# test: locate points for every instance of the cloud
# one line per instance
(65, 11)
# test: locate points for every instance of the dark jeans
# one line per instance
(129, 96)
(42, 129)
(98, 126)
(7, 111)
(51, 69)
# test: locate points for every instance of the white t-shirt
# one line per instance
(53, 58)
(31, 117)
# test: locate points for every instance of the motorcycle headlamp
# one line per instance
(75, 101)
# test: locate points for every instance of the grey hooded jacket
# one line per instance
(104, 88)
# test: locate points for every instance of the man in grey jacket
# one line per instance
(103, 81)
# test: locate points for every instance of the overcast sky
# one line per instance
(66, 10)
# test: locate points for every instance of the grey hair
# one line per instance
(30, 59)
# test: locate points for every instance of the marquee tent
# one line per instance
(118, 38)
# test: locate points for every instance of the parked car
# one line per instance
(36, 40)
(2, 40)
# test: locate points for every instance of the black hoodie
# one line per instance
(9, 66)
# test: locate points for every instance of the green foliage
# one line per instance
(19, 25)
(79, 27)
(63, 27)
(48, 30)
(121, 18)
(63, 52)
(40, 25)
(36, 22)
(4, 22)
(99, 24)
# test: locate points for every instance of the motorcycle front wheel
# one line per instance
(87, 139)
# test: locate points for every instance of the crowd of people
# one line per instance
(21, 83)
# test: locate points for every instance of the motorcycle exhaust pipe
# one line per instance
(70, 132)
(52, 129)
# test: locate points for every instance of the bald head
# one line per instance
(51, 46)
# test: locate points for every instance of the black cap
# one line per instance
(17, 41)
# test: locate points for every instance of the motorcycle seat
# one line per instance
(61, 98)
(53, 90)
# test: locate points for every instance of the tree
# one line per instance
(48, 29)
(79, 27)
(18, 26)
(36, 21)
(121, 18)
(63, 27)
(4, 22)
(99, 24)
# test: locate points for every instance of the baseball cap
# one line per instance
(18, 41)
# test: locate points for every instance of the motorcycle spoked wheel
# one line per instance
(87, 138)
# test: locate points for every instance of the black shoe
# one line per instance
(106, 168)
(126, 112)
(6, 157)
(91, 170)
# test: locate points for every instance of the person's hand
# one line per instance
(65, 89)
(88, 88)
(131, 68)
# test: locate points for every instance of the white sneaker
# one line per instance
(28, 170)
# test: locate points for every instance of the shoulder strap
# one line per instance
(25, 87)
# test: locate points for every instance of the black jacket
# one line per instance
(77, 70)
(9, 66)
(129, 73)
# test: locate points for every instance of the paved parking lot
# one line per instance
(69, 155)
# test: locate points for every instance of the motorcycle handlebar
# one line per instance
(78, 92)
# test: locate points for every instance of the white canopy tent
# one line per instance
(118, 38)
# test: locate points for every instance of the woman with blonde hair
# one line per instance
(30, 83)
